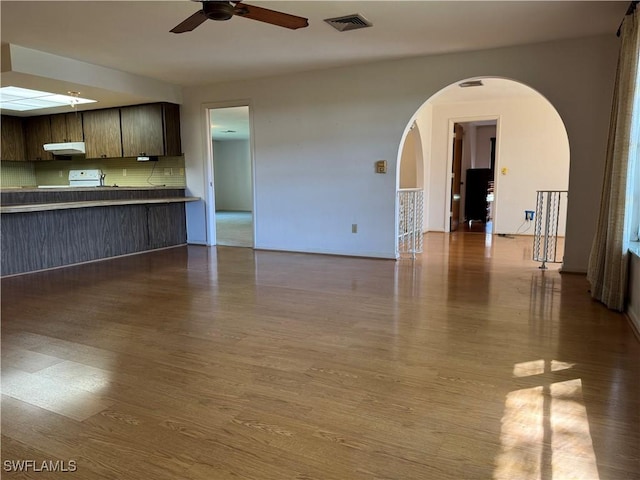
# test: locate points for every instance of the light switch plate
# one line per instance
(381, 166)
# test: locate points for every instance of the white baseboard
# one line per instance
(340, 253)
(634, 318)
(568, 268)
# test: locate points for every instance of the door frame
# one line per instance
(210, 215)
(457, 148)
(496, 187)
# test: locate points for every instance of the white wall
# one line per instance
(423, 121)
(232, 175)
(317, 135)
(410, 160)
(468, 145)
(483, 146)
(532, 146)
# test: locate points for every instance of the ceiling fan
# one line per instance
(224, 10)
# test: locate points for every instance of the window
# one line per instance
(632, 213)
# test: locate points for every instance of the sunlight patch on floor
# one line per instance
(545, 429)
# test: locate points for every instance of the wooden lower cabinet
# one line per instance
(51, 238)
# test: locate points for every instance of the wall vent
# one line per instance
(349, 22)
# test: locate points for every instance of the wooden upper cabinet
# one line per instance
(37, 133)
(142, 130)
(66, 127)
(172, 143)
(13, 146)
(152, 130)
(102, 133)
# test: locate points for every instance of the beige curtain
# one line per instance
(609, 259)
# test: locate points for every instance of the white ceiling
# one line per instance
(134, 38)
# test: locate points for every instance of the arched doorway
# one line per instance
(530, 150)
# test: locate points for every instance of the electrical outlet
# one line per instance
(182, 172)
(167, 172)
(124, 172)
(60, 173)
(354, 228)
(528, 215)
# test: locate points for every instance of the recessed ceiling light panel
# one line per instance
(23, 99)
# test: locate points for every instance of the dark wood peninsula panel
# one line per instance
(102, 133)
(72, 226)
(13, 146)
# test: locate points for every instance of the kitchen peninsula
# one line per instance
(46, 228)
(57, 225)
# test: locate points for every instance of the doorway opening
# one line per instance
(473, 176)
(505, 128)
(232, 176)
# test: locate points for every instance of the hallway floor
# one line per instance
(234, 229)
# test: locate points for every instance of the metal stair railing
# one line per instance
(410, 219)
(545, 239)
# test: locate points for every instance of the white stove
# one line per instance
(86, 178)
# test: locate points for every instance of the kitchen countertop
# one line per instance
(41, 207)
(88, 189)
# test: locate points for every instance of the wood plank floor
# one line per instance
(229, 363)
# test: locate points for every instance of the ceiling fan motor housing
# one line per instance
(215, 10)
(225, 9)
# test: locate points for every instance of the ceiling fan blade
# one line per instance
(271, 16)
(190, 23)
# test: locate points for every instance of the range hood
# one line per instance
(67, 148)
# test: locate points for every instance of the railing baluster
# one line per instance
(410, 218)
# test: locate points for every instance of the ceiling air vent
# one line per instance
(471, 83)
(349, 22)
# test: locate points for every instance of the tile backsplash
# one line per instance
(17, 174)
(125, 172)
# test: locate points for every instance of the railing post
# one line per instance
(545, 240)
